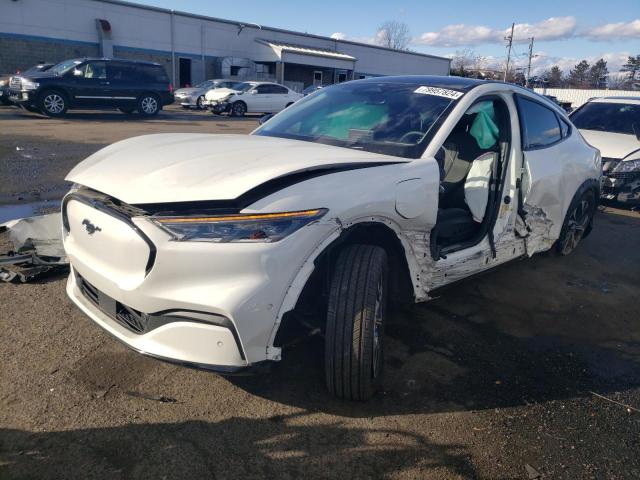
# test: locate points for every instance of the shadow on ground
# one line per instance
(262, 448)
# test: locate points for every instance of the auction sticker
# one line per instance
(439, 92)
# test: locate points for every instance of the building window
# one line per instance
(235, 71)
(342, 77)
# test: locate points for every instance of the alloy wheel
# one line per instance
(576, 226)
(53, 103)
(149, 105)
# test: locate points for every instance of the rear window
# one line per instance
(133, 72)
(607, 117)
(152, 74)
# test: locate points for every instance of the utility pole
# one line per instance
(526, 80)
(510, 40)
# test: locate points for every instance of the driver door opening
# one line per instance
(472, 163)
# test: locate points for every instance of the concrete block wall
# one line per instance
(22, 53)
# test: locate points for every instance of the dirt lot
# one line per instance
(530, 371)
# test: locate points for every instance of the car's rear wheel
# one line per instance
(577, 223)
(355, 322)
(53, 103)
(148, 105)
(238, 109)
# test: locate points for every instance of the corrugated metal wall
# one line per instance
(578, 97)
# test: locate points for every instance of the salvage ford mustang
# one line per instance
(211, 250)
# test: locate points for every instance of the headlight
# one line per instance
(29, 85)
(628, 166)
(3, 83)
(262, 227)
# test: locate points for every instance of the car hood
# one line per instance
(187, 91)
(611, 145)
(36, 75)
(180, 167)
(219, 93)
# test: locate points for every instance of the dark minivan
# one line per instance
(94, 83)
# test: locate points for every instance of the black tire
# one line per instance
(127, 110)
(148, 105)
(238, 109)
(355, 322)
(200, 103)
(577, 223)
(53, 103)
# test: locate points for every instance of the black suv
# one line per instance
(94, 83)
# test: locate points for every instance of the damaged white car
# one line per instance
(201, 249)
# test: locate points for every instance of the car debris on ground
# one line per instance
(37, 249)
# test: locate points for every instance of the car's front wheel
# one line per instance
(238, 109)
(200, 103)
(148, 105)
(355, 322)
(577, 223)
(53, 103)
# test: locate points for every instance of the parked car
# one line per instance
(202, 249)
(194, 96)
(612, 125)
(6, 80)
(311, 88)
(251, 97)
(91, 83)
(565, 105)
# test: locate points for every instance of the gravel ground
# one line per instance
(529, 371)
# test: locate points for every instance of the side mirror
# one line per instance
(636, 129)
(266, 117)
(77, 73)
(253, 92)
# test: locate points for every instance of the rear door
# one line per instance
(123, 78)
(280, 98)
(548, 182)
(90, 85)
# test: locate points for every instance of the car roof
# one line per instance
(617, 99)
(123, 60)
(457, 83)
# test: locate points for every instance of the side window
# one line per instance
(94, 70)
(263, 89)
(279, 89)
(540, 125)
(120, 72)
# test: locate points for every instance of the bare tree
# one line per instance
(462, 62)
(618, 80)
(394, 34)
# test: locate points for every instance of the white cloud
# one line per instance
(339, 36)
(612, 31)
(553, 28)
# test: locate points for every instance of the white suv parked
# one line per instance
(200, 249)
(251, 97)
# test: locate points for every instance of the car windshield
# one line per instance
(64, 67)
(205, 84)
(608, 117)
(242, 86)
(385, 117)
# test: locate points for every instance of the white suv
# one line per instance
(251, 97)
(200, 249)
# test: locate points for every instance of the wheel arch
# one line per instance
(315, 275)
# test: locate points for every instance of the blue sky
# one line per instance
(565, 30)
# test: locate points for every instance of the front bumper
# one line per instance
(218, 107)
(621, 187)
(136, 267)
(27, 97)
(187, 339)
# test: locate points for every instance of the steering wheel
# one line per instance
(408, 135)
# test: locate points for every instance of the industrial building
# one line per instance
(191, 47)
